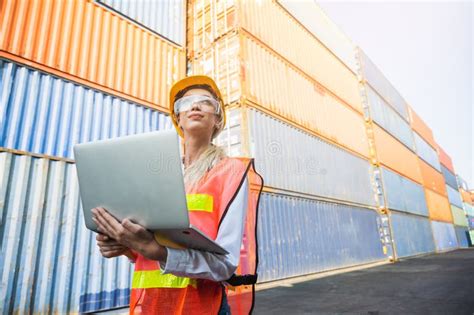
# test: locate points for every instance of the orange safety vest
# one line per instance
(156, 293)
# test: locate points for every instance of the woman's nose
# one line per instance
(195, 106)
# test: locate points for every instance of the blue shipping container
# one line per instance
(444, 236)
(411, 234)
(299, 236)
(49, 261)
(42, 114)
(462, 234)
(449, 177)
(403, 194)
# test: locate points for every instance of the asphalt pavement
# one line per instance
(433, 284)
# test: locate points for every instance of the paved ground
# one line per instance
(434, 284)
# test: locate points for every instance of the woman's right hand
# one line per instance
(111, 248)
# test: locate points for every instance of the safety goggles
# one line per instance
(203, 102)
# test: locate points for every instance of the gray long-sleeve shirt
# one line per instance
(194, 263)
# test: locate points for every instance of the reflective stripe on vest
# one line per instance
(146, 279)
(200, 202)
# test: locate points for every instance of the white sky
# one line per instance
(425, 49)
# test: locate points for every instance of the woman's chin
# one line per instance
(196, 128)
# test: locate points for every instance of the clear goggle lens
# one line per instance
(205, 103)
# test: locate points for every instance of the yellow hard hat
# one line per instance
(190, 81)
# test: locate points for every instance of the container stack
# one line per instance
(460, 219)
(467, 197)
(294, 105)
(352, 174)
(435, 186)
(71, 72)
(396, 163)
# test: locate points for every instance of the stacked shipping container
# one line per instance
(393, 150)
(298, 112)
(350, 170)
(460, 220)
(69, 73)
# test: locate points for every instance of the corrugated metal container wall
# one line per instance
(403, 194)
(412, 234)
(470, 222)
(298, 99)
(454, 196)
(465, 195)
(445, 160)
(432, 179)
(85, 42)
(230, 139)
(459, 217)
(421, 127)
(449, 177)
(310, 14)
(300, 236)
(438, 206)
(163, 17)
(46, 115)
(49, 260)
(296, 44)
(462, 236)
(381, 85)
(395, 155)
(469, 209)
(444, 236)
(293, 160)
(292, 41)
(426, 152)
(386, 117)
(461, 183)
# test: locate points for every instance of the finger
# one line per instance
(102, 237)
(101, 229)
(107, 223)
(132, 227)
(111, 247)
(112, 253)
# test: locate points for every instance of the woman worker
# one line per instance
(222, 196)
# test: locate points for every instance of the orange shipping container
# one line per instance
(438, 206)
(421, 127)
(466, 196)
(298, 98)
(271, 24)
(445, 159)
(84, 42)
(395, 155)
(432, 179)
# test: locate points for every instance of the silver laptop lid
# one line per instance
(139, 177)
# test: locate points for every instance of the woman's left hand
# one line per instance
(129, 234)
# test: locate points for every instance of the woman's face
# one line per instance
(196, 122)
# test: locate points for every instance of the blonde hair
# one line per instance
(205, 162)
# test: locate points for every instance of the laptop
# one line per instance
(140, 177)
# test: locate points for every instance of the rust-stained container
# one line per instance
(273, 27)
(395, 155)
(420, 127)
(298, 99)
(438, 206)
(432, 179)
(445, 159)
(84, 42)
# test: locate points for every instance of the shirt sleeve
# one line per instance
(194, 263)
